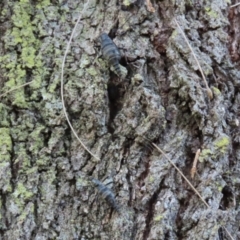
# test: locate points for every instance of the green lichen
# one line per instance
(220, 188)
(42, 162)
(126, 2)
(22, 192)
(32, 170)
(174, 34)
(5, 143)
(92, 71)
(21, 37)
(43, 3)
(211, 13)
(151, 179)
(28, 56)
(81, 182)
(20, 133)
(52, 87)
(79, 73)
(205, 153)
(222, 143)
(216, 91)
(22, 159)
(16, 77)
(85, 61)
(36, 139)
(158, 218)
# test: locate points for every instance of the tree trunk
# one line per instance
(46, 177)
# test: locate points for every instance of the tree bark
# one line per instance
(45, 174)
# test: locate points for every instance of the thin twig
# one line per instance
(229, 234)
(209, 91)
(189, 183)
(62, 94)
(235, 5)
(194, 166)
(193, 188)
(13, 89)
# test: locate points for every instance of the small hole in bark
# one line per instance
(228, 199)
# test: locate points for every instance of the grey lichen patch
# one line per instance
(83, 182)
(151, 117)
(48, 187)
(209, 222)
(179, 42)
(214, 14)
(183, 80)
(85, 61)
(22, 158)
(79, 73)
(57, 135)
(214, 44)
(27, 215)
(164, 218)
(159, 166)
(5, 170)
(19, 199)
(123, 223)
(23, 217)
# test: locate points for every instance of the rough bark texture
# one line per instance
(44, 183)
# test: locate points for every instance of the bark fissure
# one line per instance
(150, 213)
(44, 172)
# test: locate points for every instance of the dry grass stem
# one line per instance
(189, 183)
(13, 89)
(235, 5)
(194, 166)
(209, 91)
(62, 74)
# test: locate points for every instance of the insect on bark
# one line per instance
(111, 53)
(107, 194)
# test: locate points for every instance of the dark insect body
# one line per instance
(107, 194)
(110, 52)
